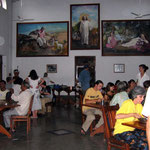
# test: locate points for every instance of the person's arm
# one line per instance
(41, 82)
(88, 101)
(148, 131)
(123, 116)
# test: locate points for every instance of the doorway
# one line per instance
(80, 62)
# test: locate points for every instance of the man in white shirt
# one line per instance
(23, 100)
(146, 112)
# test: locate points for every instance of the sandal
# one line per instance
(83, 132)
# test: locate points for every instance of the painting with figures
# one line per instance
(42, 39)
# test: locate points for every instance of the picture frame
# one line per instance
(42, 39)
(85, 26)
(119, 68)
(125, 37)
(51, 68)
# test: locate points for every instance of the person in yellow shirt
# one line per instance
(92, 95)
(131, 110)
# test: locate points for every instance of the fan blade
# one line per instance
(145, 15)
(134, 14)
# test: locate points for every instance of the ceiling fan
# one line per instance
(139, 15)
(19, 18)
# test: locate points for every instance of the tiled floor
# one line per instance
(41, 137)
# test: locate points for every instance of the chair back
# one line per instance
(109, 114)
(30, 106)
(81, 99)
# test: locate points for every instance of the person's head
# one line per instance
(8, 79)
(121, 86)
(25, 85)
(2, 85)
(146, 84)
(137, 94)
(16, 72)
(110, 86)
(143, 68)
(84, 18)
(45, 74)
(117, 81)
(33, 75)
(86, 67)
(98, 85)
(131, 84)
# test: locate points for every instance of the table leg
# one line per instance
(4, 131)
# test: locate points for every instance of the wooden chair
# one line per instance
(109, 113)
(25, 118)
(97, 117)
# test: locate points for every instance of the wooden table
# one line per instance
(98, 106)
(136, 124)
(3, 107)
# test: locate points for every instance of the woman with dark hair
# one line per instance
(109, 92)
(131, 110)
(142, 75)
(121, 95)
(35, 82)
(131, 85)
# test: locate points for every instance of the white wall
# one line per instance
(47, 10)
(5, 31)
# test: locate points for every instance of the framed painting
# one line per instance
(119, 68)
(39, 39)
(85, 26)
(125, 37)
(52, 68)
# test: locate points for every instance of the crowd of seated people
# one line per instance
(120, 93)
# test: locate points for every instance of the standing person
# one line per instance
(131, 110)
(35, 82)
(142, 75)
(84, 78)
(84, 30)
(92, 95)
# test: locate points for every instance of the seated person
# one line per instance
(131, 110)
(23, 100)
(17, 86)
(121, 94)
(109, 92)
(146, 84)
(16, 76)
(45, 97)
(131, 85)
(8, 83)
(3, 90)
(92, 95)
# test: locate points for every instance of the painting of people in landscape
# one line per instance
(126, 38)
(42, 39)
(84, 25)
